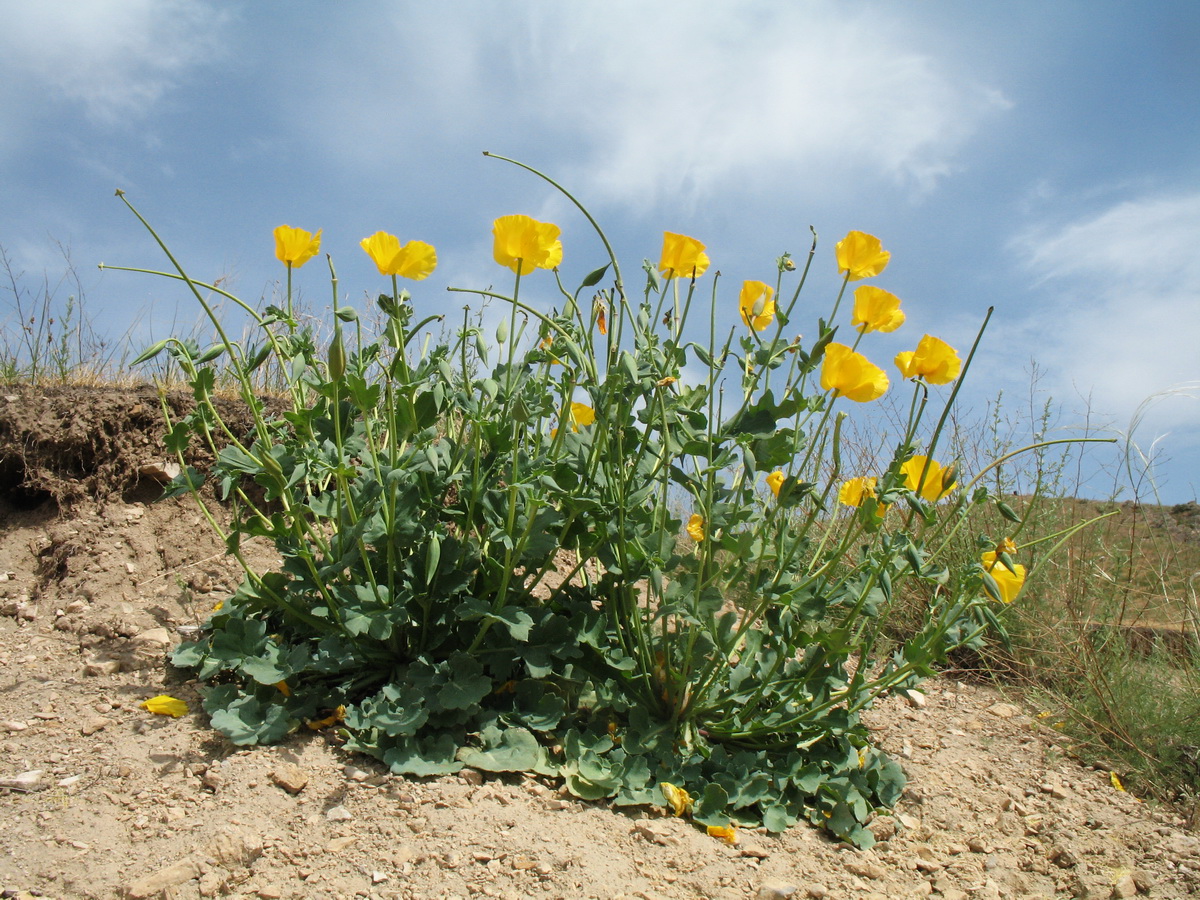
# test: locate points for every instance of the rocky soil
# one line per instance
(100, 798)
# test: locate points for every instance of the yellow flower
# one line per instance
(852, 374)
(283, 688)
(935, 485)
(934, 360)
(854, 491)
(295, 246)
(695, 528)
(876, 310)
(726, 833)
(757, 305)
(415, 260)
(524, 244)
(1009, 581)
(163, 705)
(682, 256)
(580, 416)
(678, 799)
(333, 718)
(861, 255)
(775, 481)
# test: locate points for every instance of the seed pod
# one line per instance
(337, 358)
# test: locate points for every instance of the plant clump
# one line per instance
(717, 626)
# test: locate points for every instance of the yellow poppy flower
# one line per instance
(852, 374)
(726, 833)
(581, 415)
(1009, 581)
(935, 485)
(860, 255)
(682, 256)
(295, 246)
(775, 481)
(934, 360)
(855, 490)
(524, 244)
(757, 305)
(415, 260)
(678, 799)
(333, 718)
(876, 310)
(695, 528)
(162, 705)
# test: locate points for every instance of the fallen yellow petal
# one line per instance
(726, 833)
(163, 705)
(1116, 782)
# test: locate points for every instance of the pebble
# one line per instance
(95, 724)
(1124, 887)
(915, 699)
(1004, 710)
(13, 726)
(26, 781)
(338, 813)
(655, 832)
(290, 777)
(159, 882)
(233, 848)
(776, 889)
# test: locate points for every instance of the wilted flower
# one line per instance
(163, 705)
(934, 360)
(757, 305)
(524, 244)
(1008, 581)
(856, 490)
(295, 246)
(860, 255)
(338, 715)
(682, 256)
(775, 481)
(695, 528)
(415, 260)
(876, 310)
(727, 833)
(935, 485)
(678, 799)
(852, 374)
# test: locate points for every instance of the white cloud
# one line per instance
(1120, 321)
(634, 102)
(116, 57)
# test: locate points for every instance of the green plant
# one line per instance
(484, 559)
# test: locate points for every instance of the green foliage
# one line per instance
(485, 562)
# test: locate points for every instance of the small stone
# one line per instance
(954, 894)
(865, 869)
(1125, 886)
(816, 892)
(102, 667)
(290, 777)
(338, 844)
(655, 832)
(13, 726)
(915, 699)
(776, 889)
(471, 776)
(354, 773)
(1004, 710)
(270, 892)
(154, 636)
(378, 878)
(94, 724)
(233, 848)
(753, 852)
(338, 813)
(33, 780)
(213, 779)
(152, 885)
(907, 821)
(1063, 858)
(989, 890)
(975, 845)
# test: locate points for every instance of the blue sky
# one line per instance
(1039, 157)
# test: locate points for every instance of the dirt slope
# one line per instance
(99, 798)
